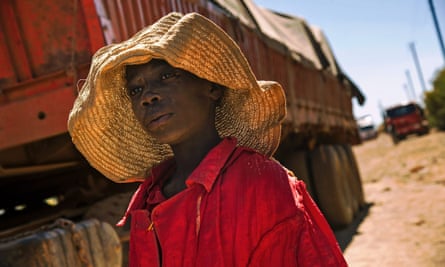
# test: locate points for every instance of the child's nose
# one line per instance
(149, 97)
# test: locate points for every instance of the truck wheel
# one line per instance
(111, 210)
(395, 138)
(357, 181)
(424, 131)
(331, 190)
(298, 164)
(347, 175)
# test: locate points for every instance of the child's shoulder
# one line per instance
(250, 156)
(262, 179)
(258, 167)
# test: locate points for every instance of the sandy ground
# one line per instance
(404, 223)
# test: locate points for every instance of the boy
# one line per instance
(177, 107)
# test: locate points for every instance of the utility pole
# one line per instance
(383, 114)
(419, 70)
(381, 108)
(410, 84)
(436, 24)
(408, 92)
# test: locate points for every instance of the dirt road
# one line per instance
(404, 224)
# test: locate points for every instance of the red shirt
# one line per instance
(240, 208)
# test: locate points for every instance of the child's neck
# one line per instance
(188, 156)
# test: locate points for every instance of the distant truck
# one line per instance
(366, 128)
(405, 119)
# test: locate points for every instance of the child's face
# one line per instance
(171, 104)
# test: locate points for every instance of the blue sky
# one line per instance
(371, 38)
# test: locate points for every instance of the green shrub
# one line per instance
(435, 102)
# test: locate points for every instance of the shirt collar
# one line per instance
(212, 164)
(207, 171)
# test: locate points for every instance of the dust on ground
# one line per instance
(404, 185)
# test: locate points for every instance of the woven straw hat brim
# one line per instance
(102, 124)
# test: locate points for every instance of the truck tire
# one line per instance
(347, 174)
(88, 243)
(297, 162)
(357, 182)
(394, 138)
(331, 189)
(424, 131)
(111, 210)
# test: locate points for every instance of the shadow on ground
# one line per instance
(345, 236)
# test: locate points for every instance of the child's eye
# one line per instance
(168, 75)
(134, 91)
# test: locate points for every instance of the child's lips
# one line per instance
(159, 120)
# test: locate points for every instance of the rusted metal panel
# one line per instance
(7, 73)
(96, 38)
(14, 41)
(36, 117)
(45, 47)
(41, 84)
(128, 17)
(53, 33)
(42, 37)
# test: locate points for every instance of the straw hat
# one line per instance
(102, 124)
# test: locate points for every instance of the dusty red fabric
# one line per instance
(239, 209)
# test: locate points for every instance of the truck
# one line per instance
(50, 192)
(366, 128)
(404, 119)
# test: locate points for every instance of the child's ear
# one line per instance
(216, 91)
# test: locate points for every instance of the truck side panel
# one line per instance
(38, 117)
(44, 51)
